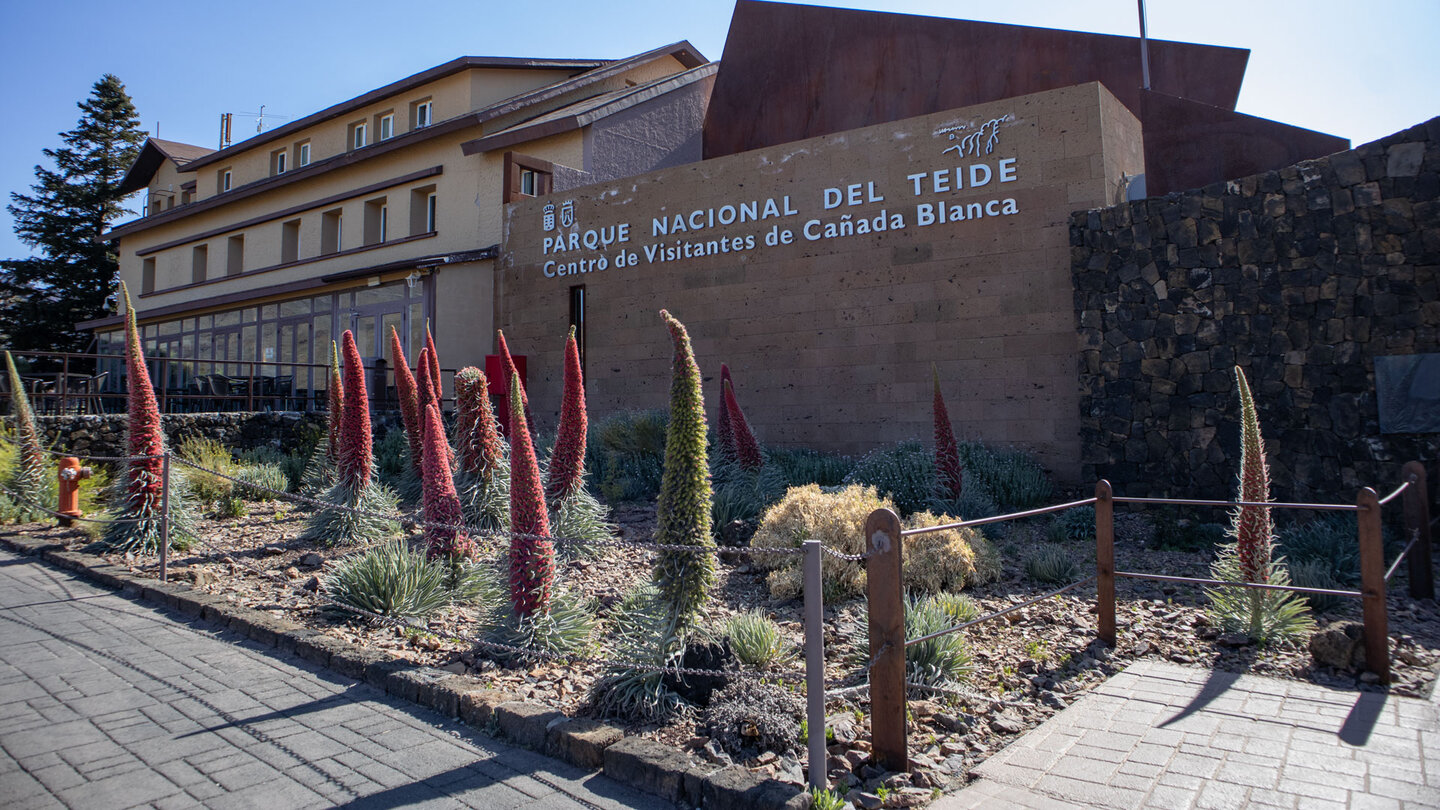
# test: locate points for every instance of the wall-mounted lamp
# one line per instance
(412, 279)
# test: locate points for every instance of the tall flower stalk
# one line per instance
(367, 508)
(684, 578)
(747, 449)
(483, 469)
(407, 390)
(441, 501)
(136, 499)
(948, 473)
(532, 556)
(567, 462)
(422, 378)
(28, 476)
(335, 403)
(1263, 614)
(507, 365)
(438, 388)
(724, 432)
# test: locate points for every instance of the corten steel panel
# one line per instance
(1189, 145)
(794, 72)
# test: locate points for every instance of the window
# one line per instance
(222, 181)
(375, 216)
(147, 276)
(278, 161)
(290, 241)
(422, 210)
(186, 195)
(526, 176)
(358, 134)
(386, 126)
(199, 263)
(302, 153)
(330, 223)
(235, 255)
(155, 205)
(420, 114)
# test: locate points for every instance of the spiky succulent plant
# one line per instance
(482, 475)
(724, 432)
(441, 502)
(684, 578)
(507, 366)
(948, 473)
(532, 557)
(406, 389)
(747, 450)
(28, 476)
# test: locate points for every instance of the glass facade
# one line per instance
(279, 350)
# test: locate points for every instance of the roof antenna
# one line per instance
(1144, 51)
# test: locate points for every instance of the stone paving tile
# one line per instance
(108, 703)
(1163, 736)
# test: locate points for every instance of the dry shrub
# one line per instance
(947, 560)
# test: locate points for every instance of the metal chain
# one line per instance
(22, 499)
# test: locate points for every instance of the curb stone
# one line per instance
(585, 743)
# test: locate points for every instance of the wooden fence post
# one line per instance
(887, 640)
(1372, 585)
(1417, 524)
(1105, 560)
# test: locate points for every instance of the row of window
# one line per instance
(358, 136)
(375, 231)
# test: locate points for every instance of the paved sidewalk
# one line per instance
(105, 703)
(1164, 736)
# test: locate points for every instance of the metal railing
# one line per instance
(78, 382)
(884, 537)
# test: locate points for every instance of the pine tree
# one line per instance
(70, 206)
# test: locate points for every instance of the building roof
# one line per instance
(586, 111)
(599, 71)
(152, 154)
(401, 86)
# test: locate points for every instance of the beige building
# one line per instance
(380, 211)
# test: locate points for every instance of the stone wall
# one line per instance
(89, 435)
(1301, 276)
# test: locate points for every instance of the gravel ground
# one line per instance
(1027, 665)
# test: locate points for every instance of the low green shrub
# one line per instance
(957, 607)
(1318, 574)
(802, 466)
(1052, 564)
(208, 454)
(903, 473)
(390, 579)
(230, 507)
(1075, 525)
(755, 639)
(564, 628)
(940, 661)
(625, 455)
(1012, 478)
(263, 481)
(1331, 542)
(1177, 531)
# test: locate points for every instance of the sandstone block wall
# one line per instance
(1301, 276)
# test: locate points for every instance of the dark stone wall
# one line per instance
(104, 435)
(1301, 276)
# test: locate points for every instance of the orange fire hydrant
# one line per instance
(71, 474)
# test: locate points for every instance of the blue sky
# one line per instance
(1353, 69)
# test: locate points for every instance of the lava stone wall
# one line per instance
(1302, 277)
(104, 435)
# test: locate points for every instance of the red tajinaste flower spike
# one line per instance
(724, 431)
(441, 503)
(422, 378)
(475, 433)
(335, 404)
(947, 453)
(435, 380)
(356, 451)
(747, 450)
(532, 557)
(567, 463)
(145, 435)
(406, 388)
(508, 366)
(1254, 528)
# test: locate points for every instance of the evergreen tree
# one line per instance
(70, 206)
